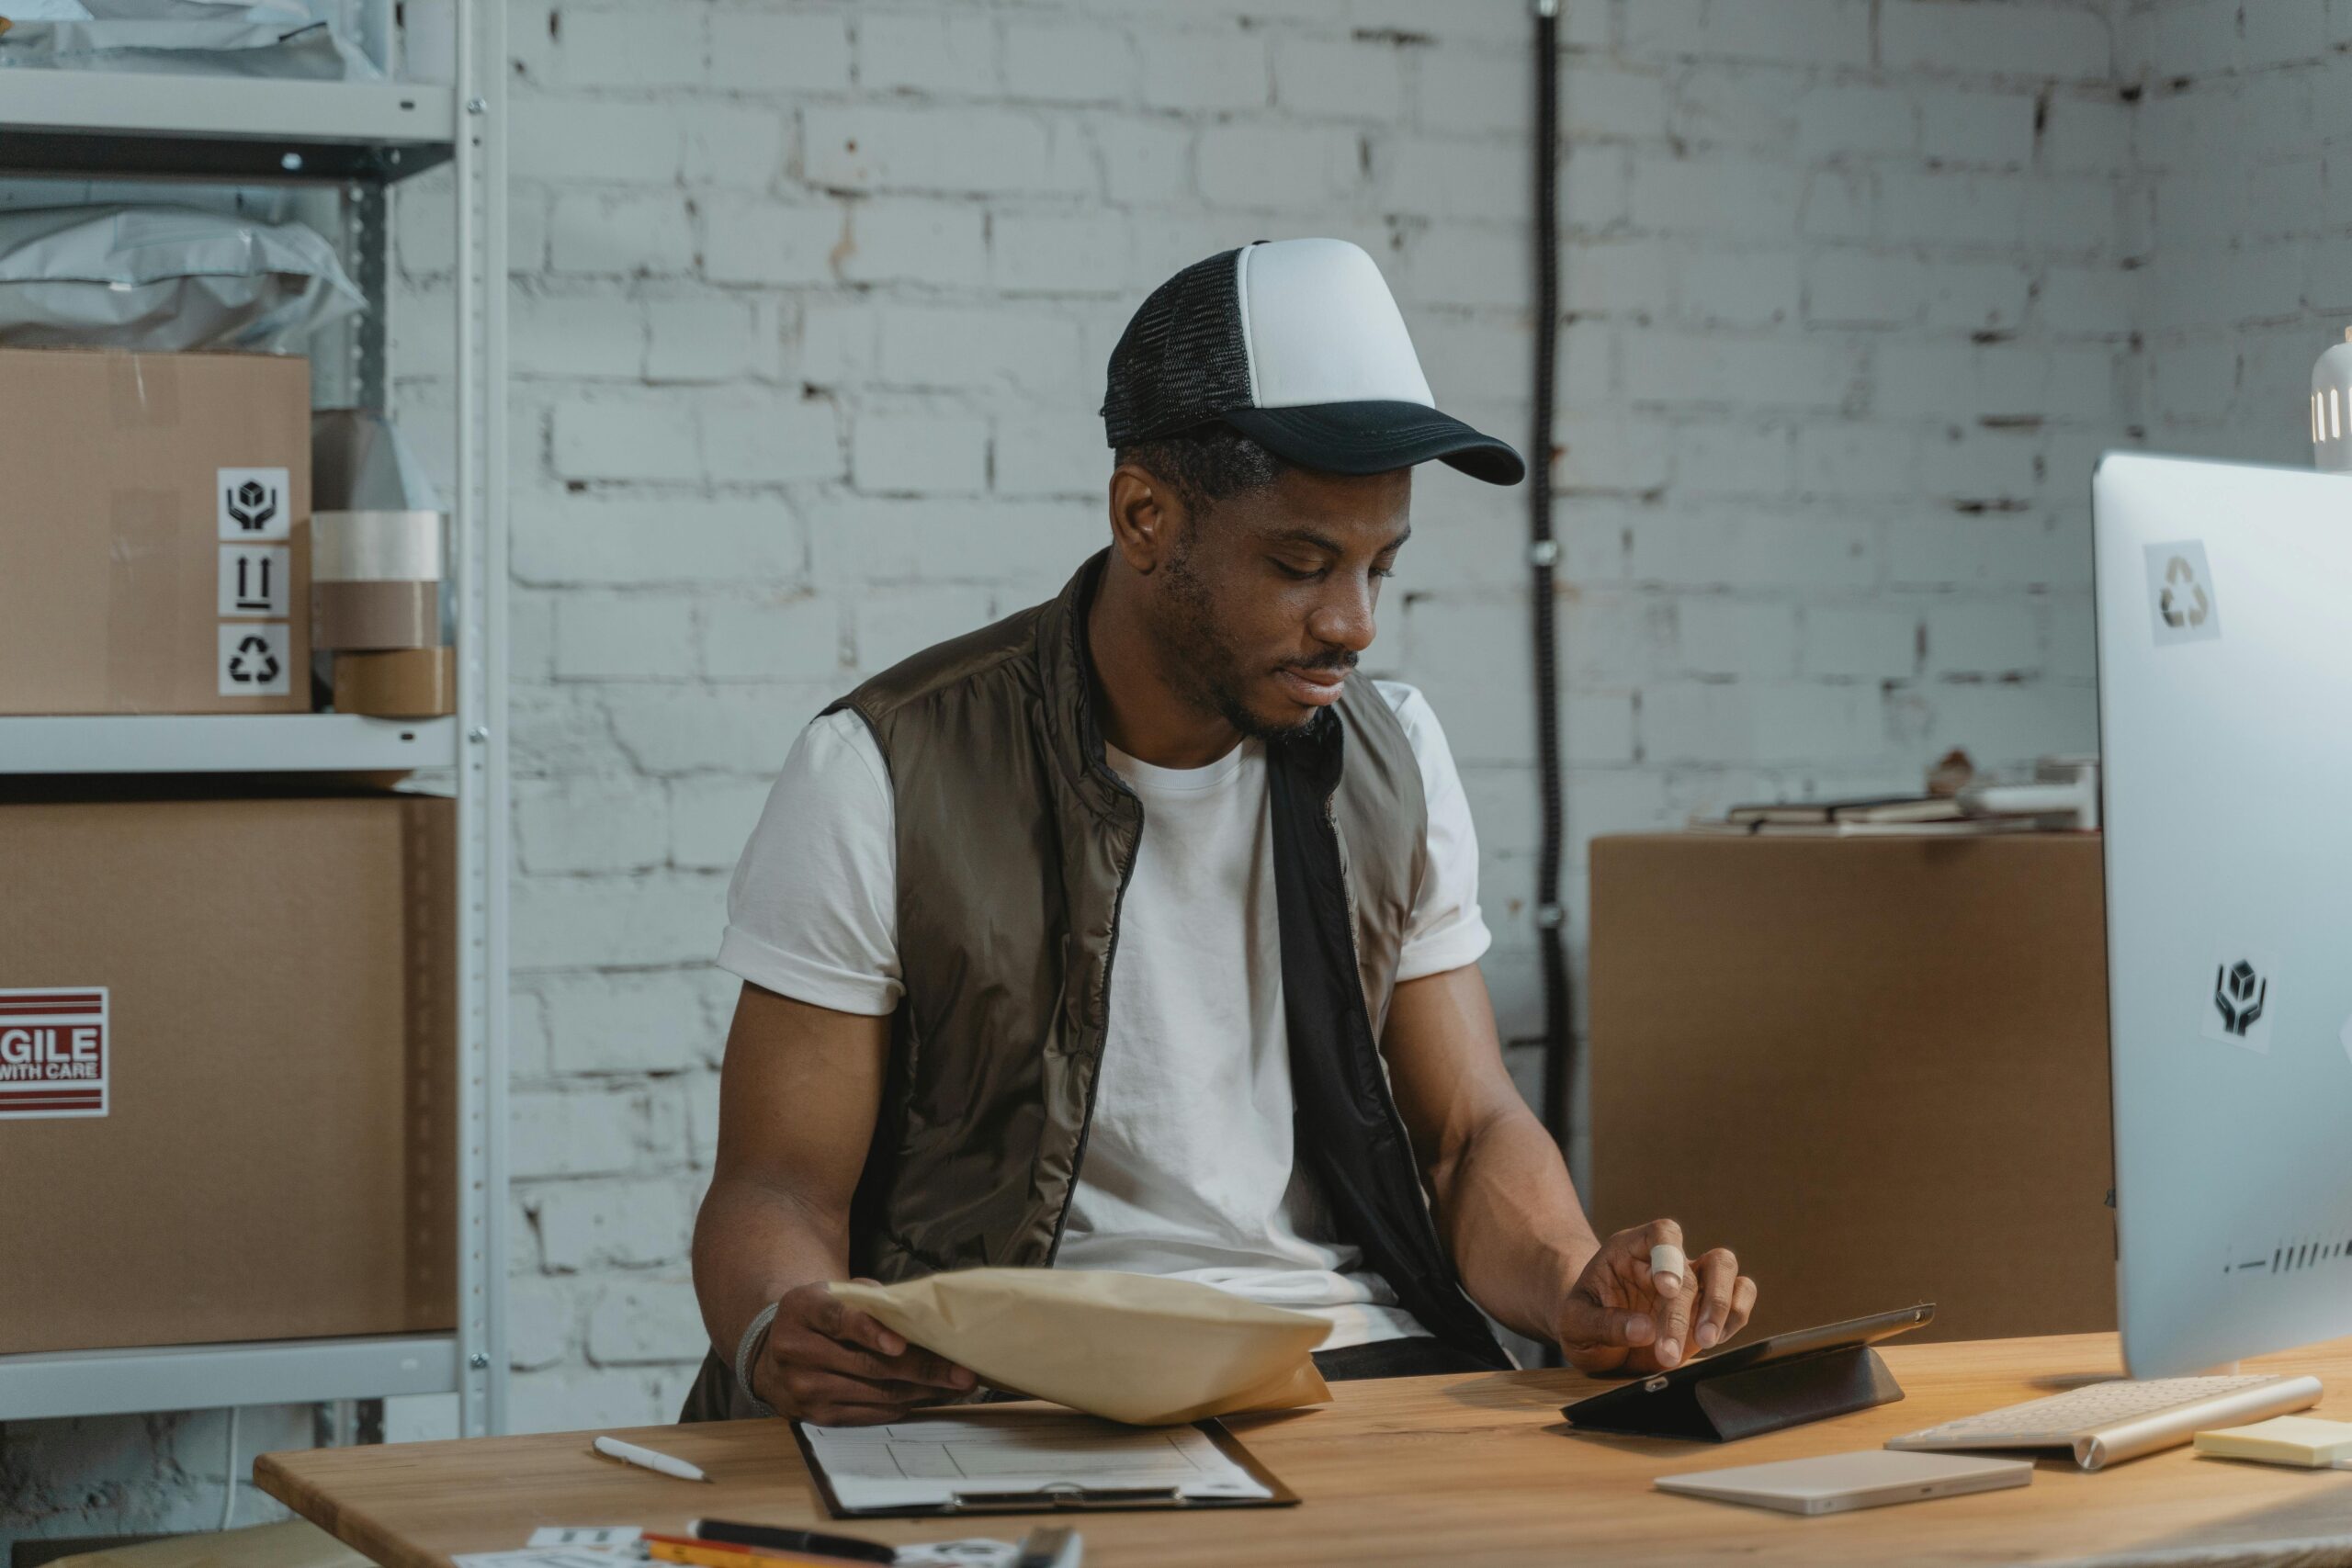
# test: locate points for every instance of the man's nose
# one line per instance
(1345, 619)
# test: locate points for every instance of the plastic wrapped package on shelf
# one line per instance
(159, 280)
(277, 39)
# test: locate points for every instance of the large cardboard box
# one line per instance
(1874, 1067)
(227, 1070)
(154, 532)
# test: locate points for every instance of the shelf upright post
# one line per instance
(479, 526)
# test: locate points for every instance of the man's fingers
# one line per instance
(1588, 1323)
(1674, 1327)
(836, 1319)
(1743, 1305)
(1633, 1248)
(809, 1347)
(1718, 1274)
(814, 1386)
(910, 1366)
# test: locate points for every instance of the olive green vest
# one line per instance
(1015, 843)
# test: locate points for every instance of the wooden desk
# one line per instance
(1453, 1471)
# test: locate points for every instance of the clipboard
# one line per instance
(1060, 1497)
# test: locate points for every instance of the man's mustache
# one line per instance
(1340, 658)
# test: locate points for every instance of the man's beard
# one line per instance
(1205, 667)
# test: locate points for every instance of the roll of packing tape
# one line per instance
(377, 546)
(409, 683)
(371, 615)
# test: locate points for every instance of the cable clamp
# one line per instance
(1544, 552)
(1551, 917)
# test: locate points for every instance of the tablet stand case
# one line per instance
(1743, 1403)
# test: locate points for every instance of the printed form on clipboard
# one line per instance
(1031, 1460)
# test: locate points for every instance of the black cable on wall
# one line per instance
(1543, 554)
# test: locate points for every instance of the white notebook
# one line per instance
(1838, 1483)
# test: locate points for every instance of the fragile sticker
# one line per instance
(254, 656)
(2182, 604)
(2239, 1010)
(54, 1051)
(252, 580)
(254, 504)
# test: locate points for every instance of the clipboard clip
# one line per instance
(1066, 1494)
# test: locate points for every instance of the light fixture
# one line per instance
(2331, 403)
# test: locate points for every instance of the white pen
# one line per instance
(646, 1459)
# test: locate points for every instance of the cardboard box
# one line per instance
(227, 1070)
(1876, 1068)
(154, 533)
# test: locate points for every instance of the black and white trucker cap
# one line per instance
(1298, 344)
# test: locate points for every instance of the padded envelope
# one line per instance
(1132, 1347)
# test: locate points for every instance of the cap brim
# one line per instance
(1376, 437)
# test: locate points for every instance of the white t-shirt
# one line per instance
(1189, 1168)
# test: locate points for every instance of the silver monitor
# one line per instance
(2225, 597)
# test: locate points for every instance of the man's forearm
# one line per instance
(1511, 1219)
(752, 1243)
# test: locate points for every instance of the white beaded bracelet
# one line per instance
(754, 1338)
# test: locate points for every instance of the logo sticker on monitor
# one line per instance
(2238, 1009)
(2181, 603)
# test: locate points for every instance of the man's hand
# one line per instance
(827, 1363)
(1615, 1319)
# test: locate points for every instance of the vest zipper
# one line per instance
(1094, 1087)
(1387, 1095)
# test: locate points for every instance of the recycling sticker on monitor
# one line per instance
(2182, 604)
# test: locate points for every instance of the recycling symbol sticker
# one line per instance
(254, 504)
(2181, 603)
(255, 660)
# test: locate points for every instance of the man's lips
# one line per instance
(1316, 688)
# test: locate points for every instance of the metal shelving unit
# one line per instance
(219, 743)
(343, 144)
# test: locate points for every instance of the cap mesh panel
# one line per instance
(1181, 360)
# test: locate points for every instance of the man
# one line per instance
(1136, 932)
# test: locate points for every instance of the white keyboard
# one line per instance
(2106, 1422)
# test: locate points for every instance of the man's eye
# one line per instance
(1298, 574)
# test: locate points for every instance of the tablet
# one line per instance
(1839, 1484)
(1623, 1409)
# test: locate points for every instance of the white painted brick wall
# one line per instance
(2244, 284)
(811, 305)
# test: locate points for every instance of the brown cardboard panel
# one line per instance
(111, 570)
(1876, 1068)
(408, 682)
(279, 1157)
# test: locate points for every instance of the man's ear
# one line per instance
(1146, 518)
